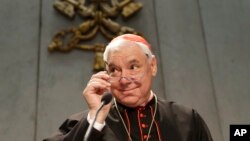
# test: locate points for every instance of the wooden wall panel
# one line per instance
(62, 76)
(186, 69)
(18, 69)
(226, 29)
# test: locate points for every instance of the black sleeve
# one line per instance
(74, 129)
(200, 131)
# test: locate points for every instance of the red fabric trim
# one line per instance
(138, 118)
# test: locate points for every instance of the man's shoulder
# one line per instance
(175, 110)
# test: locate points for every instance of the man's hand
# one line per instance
(93, 92)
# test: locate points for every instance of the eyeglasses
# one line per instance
(134, 73)
(132, 78)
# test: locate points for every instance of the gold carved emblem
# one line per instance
(98, 16)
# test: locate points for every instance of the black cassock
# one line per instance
(173, 122)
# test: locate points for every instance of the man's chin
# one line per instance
(129, 101)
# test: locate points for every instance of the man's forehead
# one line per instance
(125, 59)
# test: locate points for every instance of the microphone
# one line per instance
(107, 97)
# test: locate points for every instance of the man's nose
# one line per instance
(124, 77)
(124, 81)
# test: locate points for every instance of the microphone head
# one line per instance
(107, 97)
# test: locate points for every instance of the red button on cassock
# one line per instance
(144, 125)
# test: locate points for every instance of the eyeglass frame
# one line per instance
(130, 78)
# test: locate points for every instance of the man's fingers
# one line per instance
(94, 81)
(101, 75)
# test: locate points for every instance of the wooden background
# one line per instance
(202, 47)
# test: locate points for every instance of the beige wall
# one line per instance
(202, 48)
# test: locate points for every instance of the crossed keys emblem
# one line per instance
(99, 16)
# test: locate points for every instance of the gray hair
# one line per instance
(114, 45)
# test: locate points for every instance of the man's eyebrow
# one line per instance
(110, 64)
(134, 61)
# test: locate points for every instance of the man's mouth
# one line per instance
(127, 89)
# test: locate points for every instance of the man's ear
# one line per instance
(154, 65)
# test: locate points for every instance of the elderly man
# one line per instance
(136, 113)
